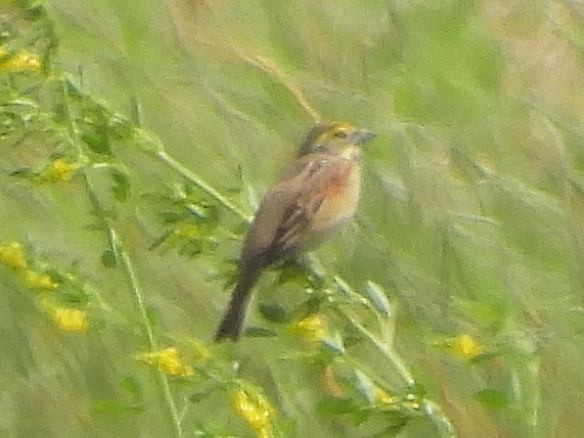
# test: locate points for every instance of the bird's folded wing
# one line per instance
(282, 222)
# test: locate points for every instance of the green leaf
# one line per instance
(132, 386)
(259, 332)
(74, 296)
(337, 406)
(274, 313)
(22, 172)
(359, 416)
(121, 187)
(153, 317)
(191, 249)
(378, 298)
(200, 212)
(465, 166)
(365, 386)
(334, 344)
(396, 421)
(160, 240)
(170, 217)
(112, 407)
(109, 258)
(201, 395)
(292, 272)
(97, 140)
(492, 398)
(309, 307)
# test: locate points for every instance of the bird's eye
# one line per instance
(340, 134)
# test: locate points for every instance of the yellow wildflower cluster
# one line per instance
(21, 61)
(252, 406)
(12, 256)
(69, 319)
(168, 361)
(65, 318)
(34, 280)
(464, 347)
(310, 328)
(59, 170)
(384, 400)
(411, 402)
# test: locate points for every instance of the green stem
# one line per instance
(116, 246)
(202, 184)
(386, 350)
(138, 296)
(440, 420)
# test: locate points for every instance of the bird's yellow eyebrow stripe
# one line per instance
(342, 126)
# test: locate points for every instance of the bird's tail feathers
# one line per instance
(232, 323)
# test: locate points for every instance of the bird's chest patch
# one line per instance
(341, 198)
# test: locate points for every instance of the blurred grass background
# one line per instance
(472, 214)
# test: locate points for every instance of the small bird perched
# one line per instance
(318, 193)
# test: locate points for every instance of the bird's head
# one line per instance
(339, 138)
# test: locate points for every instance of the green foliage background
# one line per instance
(471, 220)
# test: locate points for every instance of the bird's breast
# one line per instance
(341, 200)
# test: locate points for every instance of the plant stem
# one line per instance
(118, 250)
(202, 184)
(440, 420)
(152, 343)
(386, 350)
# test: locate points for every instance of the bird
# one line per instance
(315, 196)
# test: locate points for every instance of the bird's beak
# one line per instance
(361, 136)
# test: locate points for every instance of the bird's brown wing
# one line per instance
(281, 223)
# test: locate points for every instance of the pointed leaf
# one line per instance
(365, 386)
(22, 172)
(333, 344)
(274, 313)
(109, 259)
(131, 385)
(121, 187)
(201, 395)
(378, 298)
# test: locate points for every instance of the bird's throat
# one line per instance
(351, 152)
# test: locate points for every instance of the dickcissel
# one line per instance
(317, 194)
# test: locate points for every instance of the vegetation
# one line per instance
(136, 140)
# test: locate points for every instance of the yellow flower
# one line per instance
(69, 319)
(20, 61)
(464, 347)
(310, 328)
(35, 280)
(59, 170)
(252, 406)
(168, 361)
(186, 230)
(12, 256)
(411, 402)
(383, 398)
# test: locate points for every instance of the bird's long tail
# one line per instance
(232, 323)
